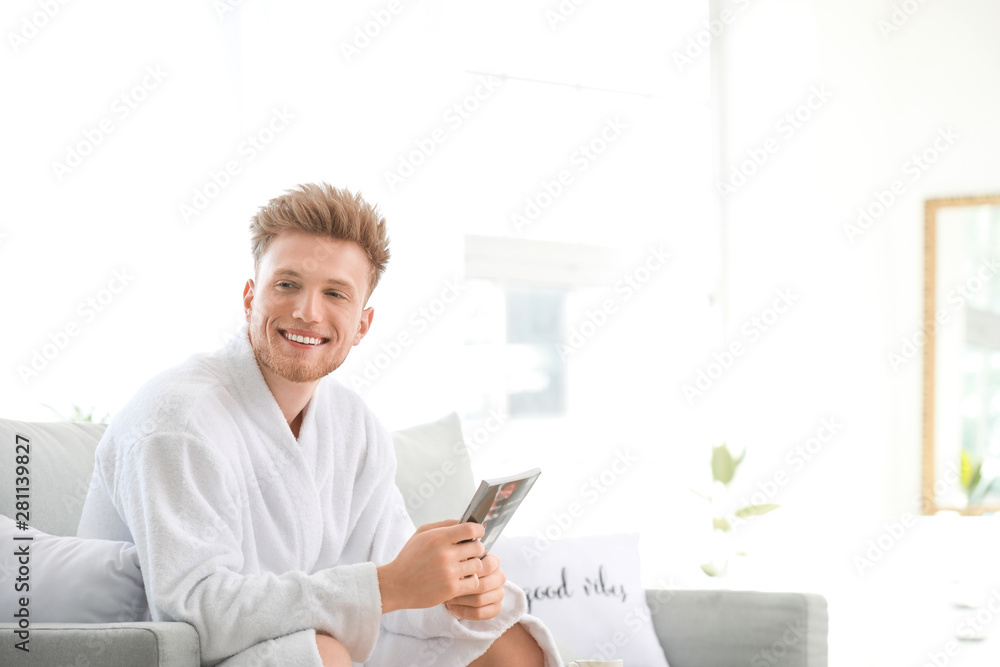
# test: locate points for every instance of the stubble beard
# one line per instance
(294, 370)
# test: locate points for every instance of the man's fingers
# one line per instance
(475, 613)
(478, 606)
(468, 566)
(491, 563)
(493, 581)
(437, 524)
(478, 599)
(467, 550)
(470, 530)
(453, 531)
(484, 584)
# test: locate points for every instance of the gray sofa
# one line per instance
(702, 628)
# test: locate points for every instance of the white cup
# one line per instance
(596, 663)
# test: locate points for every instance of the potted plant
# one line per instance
(725, 521)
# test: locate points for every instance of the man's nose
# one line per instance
(307, 306)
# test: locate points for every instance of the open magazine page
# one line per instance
(495, 502)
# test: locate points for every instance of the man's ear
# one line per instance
(248, 298)
(366, 323)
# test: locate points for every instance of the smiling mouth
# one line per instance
(303, 340)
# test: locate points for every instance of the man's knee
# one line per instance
(332, 652)
(514, 647)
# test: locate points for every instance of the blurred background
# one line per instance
(590, 204)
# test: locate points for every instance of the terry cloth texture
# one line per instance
(258, 538)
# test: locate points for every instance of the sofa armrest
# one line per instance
(740, 628)
(141, 644)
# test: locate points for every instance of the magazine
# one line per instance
(495, 501)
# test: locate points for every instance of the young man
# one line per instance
(260, 491)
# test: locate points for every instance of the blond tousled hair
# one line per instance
(328, 211)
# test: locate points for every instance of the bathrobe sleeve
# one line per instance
(384, 527)
(181, 498)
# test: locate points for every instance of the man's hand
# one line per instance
(436, 565)
(487, 600)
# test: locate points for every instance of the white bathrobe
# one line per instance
(258, 539)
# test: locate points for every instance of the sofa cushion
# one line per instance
(588, 592)
(433, 470)
(741, 627)
(69, 579)
(60, 465)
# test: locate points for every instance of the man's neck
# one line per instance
(292, 397)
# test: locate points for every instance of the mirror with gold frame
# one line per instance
(961, 429)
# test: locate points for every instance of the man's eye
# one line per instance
(336, 294)
(284, 283)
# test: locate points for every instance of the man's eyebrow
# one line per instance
(330, 281)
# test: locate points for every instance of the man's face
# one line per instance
(307, 286)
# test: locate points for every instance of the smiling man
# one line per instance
(297, 349)
(260, 491)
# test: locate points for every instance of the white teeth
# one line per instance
(301, 339)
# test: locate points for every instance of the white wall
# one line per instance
(890, 93)
(855, 298)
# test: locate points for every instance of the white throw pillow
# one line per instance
(433, 470)
(69, 579)
(588, 592)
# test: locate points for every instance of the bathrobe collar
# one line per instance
(256, 396)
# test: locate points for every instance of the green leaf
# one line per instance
(756, 510)
(79, 415)
(709, 569)
(971, 471)
(965, 463)
(699, 493)
(977, 477)
(720, 523)
(723, 467)
(58, 414)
